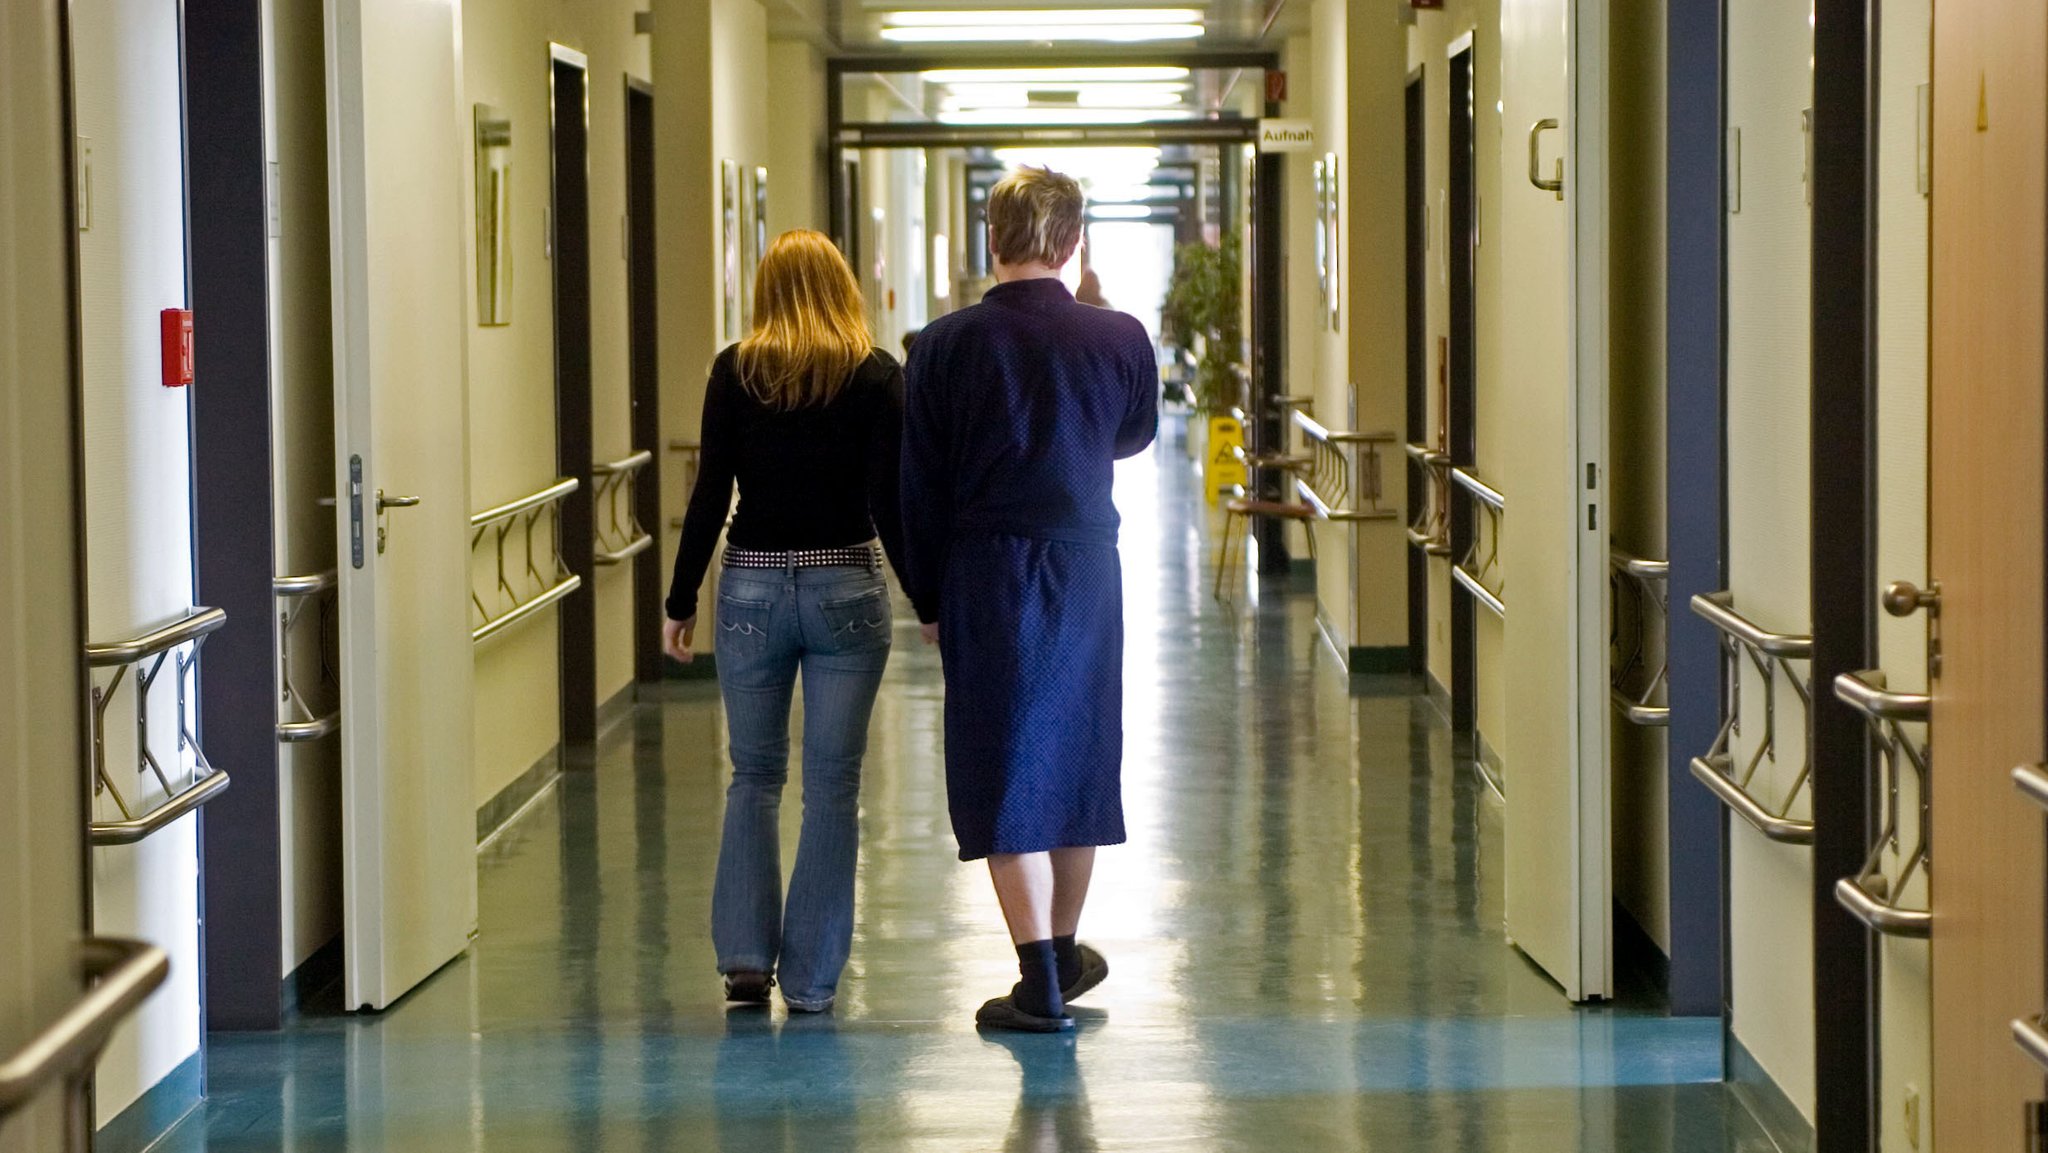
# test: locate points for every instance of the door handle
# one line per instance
(1556, 183)
(384, 502)
(1904, 598)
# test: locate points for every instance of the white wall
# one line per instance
(138, 493)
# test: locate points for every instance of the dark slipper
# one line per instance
(1003, 1013)
(748, 988)
(1094, 967)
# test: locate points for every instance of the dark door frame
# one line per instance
(1415, 196)
(1844, 585)
(1460, 419)
(569, 169)
(643, 341)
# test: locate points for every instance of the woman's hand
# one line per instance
(930, 632)
(676, 637)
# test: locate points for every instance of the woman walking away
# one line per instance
(1017, 409)
(806, 415)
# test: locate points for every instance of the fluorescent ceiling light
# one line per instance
(960, 97)
(1012, 17)
(1037, 33)
(1119, 212)
(1041, 77)
(1037, 116)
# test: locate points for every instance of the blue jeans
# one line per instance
(832, 624)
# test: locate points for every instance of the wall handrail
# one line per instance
(1644, 582)
(1866, 693)
(1430, 545)
(1325, 484)
(1485, 493)
(562, 487)
(1855, 894)
(555, 592)
(152, 649)
(1719, 610)
(124, 974)
(632, 463)
(132, 829)
(2031, 1034)
(297, 722)
(196, 623)
(1479, 591)
(309, 584)
(1713, 772)
(2032, 782)
(1424, 455)
(619, 538)
(552, 586)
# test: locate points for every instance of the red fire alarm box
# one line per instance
(177, 327)
(1276, 85)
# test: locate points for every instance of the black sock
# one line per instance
(1039, 992)
(1069, 955)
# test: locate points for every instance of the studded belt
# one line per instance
(858, 556)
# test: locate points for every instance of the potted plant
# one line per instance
(1203, 316)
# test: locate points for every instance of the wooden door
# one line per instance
(1985, 538)
(397, 144)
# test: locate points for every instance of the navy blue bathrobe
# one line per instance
(1015, 411)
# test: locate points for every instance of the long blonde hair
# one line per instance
(810, 324)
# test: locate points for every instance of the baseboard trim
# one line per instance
(1765, 1101)
(158, 1111)
(1489, 764)
(616, 710)
(1438, 695)
(493, 815)
(316, 973)
(703, 668)
(1378, 660)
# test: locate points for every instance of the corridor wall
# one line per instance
(1636, 430)
(139, 562)
(302, 412)
(1429, 43)
(511, 367)
(1770, 83)
(711, 106)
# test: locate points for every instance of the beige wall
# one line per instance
(511, 367)
(1428, 49)
(1641, 837)
(302, 387)
(715, 108)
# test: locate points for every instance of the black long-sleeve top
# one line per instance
(821, 476)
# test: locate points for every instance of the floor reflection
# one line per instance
(1305, 932)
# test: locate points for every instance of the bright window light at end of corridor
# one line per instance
(1063, 115)
(1016, 17)
(1042, 77)
(1036, 33)
(1119, 212)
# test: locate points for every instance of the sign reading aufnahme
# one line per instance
(1287, 135)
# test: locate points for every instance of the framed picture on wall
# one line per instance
(760, 212)
(1330, 243)
(729, 247)
(1322, 246)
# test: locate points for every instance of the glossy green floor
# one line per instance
(1304, 930)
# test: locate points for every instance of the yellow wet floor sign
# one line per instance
(1225, 466)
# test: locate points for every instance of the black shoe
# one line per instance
(1003, 1013)
(1094, 967)
(746, 987)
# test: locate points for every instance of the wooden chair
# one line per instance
(1244, 506)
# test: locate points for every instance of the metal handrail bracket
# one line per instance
(133, 829)
(124, 974)
(1719, 610)
(303, 725)
(562, 487)
(1637, 713)
(1485, 493)
(1712, 772)
(624, 464)
(1479, 591)
(1871, 908)
(1865, 692)
(195, 624)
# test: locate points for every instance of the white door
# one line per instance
(1553, 544)
(42, 641)
(396, 150)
